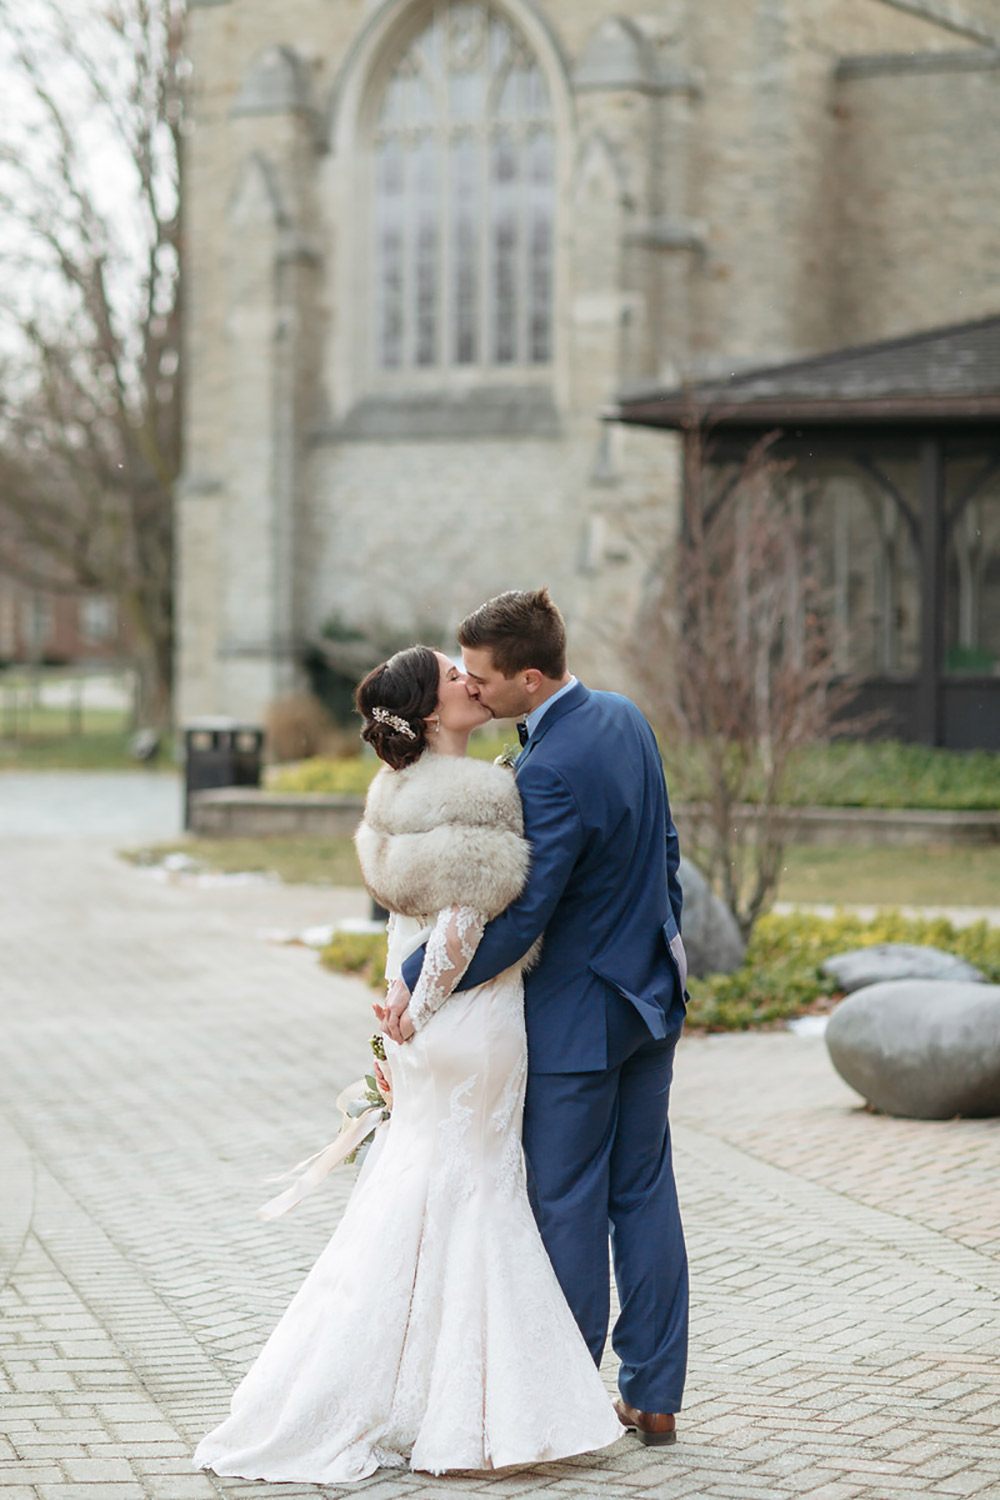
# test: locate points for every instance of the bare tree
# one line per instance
(90, 404)
(732, 653)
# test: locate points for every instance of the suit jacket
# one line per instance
(602, 887)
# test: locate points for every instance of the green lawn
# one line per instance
(100, 750)
(38, 737)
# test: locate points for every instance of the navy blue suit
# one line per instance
(604, 1008)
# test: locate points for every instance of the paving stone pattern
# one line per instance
(160, 1060)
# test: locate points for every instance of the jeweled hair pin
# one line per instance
(394, 721)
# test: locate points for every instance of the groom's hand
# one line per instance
(396, 1022)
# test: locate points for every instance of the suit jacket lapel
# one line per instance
(576, 696)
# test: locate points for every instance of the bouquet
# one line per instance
(364, 1106)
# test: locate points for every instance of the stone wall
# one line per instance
(730, 190)
(243, 812)
(919, 237)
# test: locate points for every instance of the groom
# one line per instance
(605, 1003)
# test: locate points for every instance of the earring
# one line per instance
(437, 726)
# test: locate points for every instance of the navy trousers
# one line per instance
(597, 1147)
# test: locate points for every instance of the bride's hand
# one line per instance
(384, 1079)
(394, 1014)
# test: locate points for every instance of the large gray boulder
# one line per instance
(712, 940)
(884, 961)
(920, 1048)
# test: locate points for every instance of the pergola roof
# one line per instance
(950, 374)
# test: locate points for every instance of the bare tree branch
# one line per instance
(90, 416)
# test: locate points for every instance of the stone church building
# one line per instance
(430, 241)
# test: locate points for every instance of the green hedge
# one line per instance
(780, 977)
(885, 773)
(881, 774)
(334, 777)
(360, 953)
(353, 774)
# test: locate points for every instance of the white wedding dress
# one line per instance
(432, 1331)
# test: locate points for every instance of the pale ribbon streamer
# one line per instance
(316, 1167)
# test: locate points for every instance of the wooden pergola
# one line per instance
(932, 399)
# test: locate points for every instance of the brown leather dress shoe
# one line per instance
(654, 1428)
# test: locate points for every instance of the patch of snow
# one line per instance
(178, 862)
(319, 936)
(180, 869)
(808, 1025)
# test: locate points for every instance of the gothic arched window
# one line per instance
(464, 198)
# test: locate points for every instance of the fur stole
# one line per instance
(446, 831)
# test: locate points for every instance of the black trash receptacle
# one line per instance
(220, 752)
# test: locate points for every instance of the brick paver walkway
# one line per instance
(160, 1059)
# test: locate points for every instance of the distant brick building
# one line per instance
(429, 239)
(66, 629)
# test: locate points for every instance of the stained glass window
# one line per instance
(464, 198)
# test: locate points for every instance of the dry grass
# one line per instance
(922, 876)
(308, 861)
(926, 875)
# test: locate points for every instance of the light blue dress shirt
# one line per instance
(533, 719)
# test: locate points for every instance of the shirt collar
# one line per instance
(533, 719)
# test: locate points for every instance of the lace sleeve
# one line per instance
(451, 948)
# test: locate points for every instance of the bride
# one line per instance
(432, 1331)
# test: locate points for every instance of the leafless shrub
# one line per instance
(299, 726)
(731, 649)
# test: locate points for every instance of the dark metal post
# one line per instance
(932, 578)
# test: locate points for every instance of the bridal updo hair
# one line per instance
(404, 688)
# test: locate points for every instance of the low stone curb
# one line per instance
(244, 812)
(870, 825)
(236, 812)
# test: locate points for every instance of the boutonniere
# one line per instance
(507, 757)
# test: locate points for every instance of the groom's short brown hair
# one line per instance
(520, 630)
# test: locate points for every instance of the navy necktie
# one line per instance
(522, 731)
